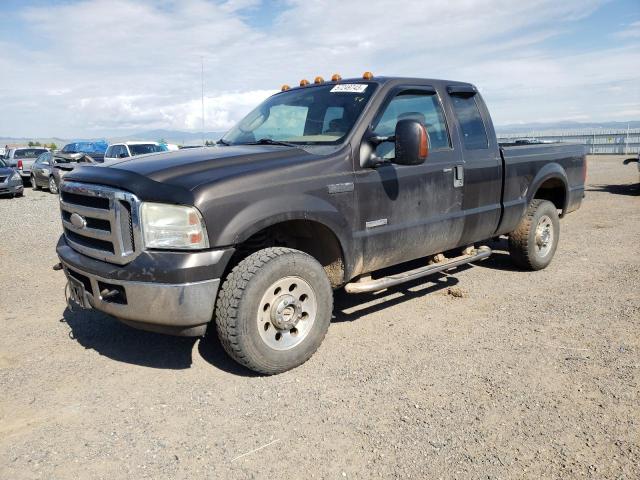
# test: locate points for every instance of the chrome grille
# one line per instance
(107, 227)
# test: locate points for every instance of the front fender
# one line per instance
(263, 214)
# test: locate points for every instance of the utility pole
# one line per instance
(202, 85)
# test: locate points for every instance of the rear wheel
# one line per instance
(533, 244)
(274, 309)
(53, 186)
(34, 184)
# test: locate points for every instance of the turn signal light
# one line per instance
(336, 77)
(285, 87)
(318, 80)
(304, 82)
(367, 75)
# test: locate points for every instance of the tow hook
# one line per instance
(57, 266)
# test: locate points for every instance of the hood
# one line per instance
(6, 171)
(181, 172)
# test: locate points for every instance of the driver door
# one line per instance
(409, 211)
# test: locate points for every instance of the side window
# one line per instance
(416, 105)
(473, 132)
(109, 152)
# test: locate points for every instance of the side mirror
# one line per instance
(412, 142)
(122, 155)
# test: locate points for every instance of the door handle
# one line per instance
(458, 176)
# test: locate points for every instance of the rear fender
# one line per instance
(550, 171)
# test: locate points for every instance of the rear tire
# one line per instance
(274, 310)
(533, 244)
(53, 186)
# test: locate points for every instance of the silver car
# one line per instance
(22, 159)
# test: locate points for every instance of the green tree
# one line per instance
(53, 146)
(31, 144)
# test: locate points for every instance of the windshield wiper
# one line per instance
(270, 141)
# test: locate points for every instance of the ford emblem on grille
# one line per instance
(78, 221)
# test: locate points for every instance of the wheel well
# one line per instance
(554, 191)
(307, 236)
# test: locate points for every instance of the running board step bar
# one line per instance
(392, 280)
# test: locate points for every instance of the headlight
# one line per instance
(14, 176)
(172, 227)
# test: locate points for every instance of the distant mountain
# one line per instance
(537, 127)
(170, 136)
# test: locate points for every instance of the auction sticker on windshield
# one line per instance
(349, 88)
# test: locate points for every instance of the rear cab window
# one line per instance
(474, 133)
(28, 152)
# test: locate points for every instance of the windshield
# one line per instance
(307, 116)
(141, 149)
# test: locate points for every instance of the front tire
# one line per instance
(533, 244)
(34, 184)
(53, 186)
(274, 310)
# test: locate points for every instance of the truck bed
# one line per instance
(527, 166)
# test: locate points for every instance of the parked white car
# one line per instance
(132, 149)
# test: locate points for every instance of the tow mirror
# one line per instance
(412, 142)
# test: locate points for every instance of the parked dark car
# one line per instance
(320, 187)
(10, 181)
(49, 168)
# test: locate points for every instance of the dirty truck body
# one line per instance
(370, 174)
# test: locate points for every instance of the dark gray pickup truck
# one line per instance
(322, 186)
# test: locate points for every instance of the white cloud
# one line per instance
(121, 65)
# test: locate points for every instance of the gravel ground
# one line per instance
(487, 373)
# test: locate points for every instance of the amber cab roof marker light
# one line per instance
(304, 82)
(336, 77)
(318, 80)
(285, 87)
(367, 75)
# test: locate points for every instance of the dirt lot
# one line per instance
(518, 374)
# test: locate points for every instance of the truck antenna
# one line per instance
(202, 98)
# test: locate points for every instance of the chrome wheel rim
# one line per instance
(53, 188)
(544, 236)
(287, 313)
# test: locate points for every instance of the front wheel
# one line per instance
(53, 186)
(533, 244)
(34, 184)
(274, 310)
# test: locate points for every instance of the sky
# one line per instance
(94, 68)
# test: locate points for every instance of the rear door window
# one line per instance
(474, 134)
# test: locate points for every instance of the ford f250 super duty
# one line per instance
(322, 186)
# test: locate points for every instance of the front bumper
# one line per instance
(11, 188)
(177, 302)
